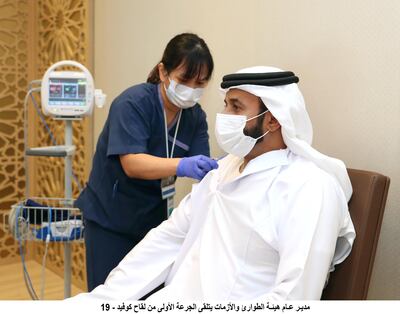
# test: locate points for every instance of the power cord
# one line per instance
(43, 274)
(27, 278)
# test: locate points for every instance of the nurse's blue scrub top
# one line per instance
(135, 124)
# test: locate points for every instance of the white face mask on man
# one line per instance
(181, 95)
(230, 136)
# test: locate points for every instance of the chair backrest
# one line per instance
(350, 280)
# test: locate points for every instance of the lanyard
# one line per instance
(166, 134)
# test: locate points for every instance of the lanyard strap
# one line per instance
(166, 134)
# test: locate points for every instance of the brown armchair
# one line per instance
(350, 280)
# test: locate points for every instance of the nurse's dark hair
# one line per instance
(189, 50)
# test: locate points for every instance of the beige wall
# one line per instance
(347, 54)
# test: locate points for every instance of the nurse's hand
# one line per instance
(195, 167)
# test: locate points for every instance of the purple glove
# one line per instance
(195, 167)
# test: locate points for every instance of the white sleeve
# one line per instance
(307, 231)
(147, 265)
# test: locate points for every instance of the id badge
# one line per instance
(170, 205)
(168, 187)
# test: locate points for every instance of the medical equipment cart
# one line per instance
(65, 96)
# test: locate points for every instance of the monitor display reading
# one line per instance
(67, 91)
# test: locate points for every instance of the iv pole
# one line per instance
(68, 195)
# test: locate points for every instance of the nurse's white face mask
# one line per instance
(181, 95)
(230, 137)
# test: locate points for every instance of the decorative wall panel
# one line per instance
(60, 32)
(13, 83)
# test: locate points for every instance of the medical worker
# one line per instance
(154, 132)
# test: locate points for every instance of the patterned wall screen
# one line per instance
(13, 83)
(61, 32)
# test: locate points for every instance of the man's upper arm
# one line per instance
(307, 233)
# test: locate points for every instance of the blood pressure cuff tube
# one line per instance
(263, 79)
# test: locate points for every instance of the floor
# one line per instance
(12, 285)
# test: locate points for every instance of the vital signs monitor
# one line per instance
(69, 93)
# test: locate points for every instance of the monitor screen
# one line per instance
(67, 91)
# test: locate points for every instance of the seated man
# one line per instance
(269, 224)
